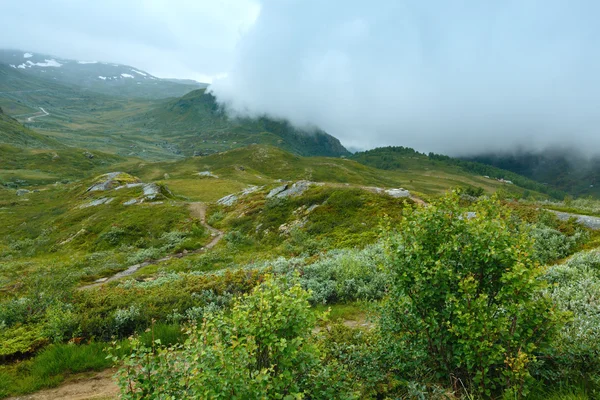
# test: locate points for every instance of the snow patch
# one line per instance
(47, 63)
(27, 55)
(126, 76)
(102, 77)
(87, 62)
(139, 72)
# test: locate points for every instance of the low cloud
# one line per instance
(455, 77)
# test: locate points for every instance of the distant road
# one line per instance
(25, 91)
(38, 115)
(585, 220)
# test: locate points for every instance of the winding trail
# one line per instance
(38, 115)
(197, 210)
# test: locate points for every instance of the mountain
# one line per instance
(109, 78)
(149, 128)
(15, 134)
(564, 168)
(196, 124)
(405, 158)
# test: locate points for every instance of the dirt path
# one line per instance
(101, 386)
(197, 210)
(38, 115)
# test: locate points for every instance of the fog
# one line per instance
(454, 77)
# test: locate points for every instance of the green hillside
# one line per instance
(568, 169)
(15, 134)
(403, 158)
(150, 129)
(198, 125)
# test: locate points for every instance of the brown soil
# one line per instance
(100, 386)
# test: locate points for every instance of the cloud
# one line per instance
(168, 38)
(447, 76)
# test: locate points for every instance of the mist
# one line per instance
(453, 77)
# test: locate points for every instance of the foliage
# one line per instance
(263, 349)
(575, 354)
(466, 296)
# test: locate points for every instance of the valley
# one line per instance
(139, 224)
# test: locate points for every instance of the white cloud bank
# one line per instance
(445, 76)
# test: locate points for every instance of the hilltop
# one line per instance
(197, 124)
(405, 158)
(102, 77)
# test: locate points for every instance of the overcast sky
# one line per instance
(445, 76)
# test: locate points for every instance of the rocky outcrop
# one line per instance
(397, 193)
(22, 192)
(112, 180)
(207, 174)
(290, 191)
(228, 200)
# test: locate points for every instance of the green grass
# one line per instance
(51, 366)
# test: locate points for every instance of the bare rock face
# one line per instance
(207, 174)
(276, 191)
(290, 191)
(397, 193)
(228, 200)
(112, 180)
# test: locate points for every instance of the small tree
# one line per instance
(466, 295)
(262, 349)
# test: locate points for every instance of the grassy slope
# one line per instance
(15, 134)
(402, 158)
(197, 124)
(259, 165)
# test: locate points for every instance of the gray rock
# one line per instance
(88, 154)
(250, 189)
(130, 202)
(97, 202)
(276, 191)
(22, 192)
(207, 173)
(398, 193)
(151, 190)
(228, 200)
(295, 190)
(107, 182)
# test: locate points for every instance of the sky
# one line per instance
(449, 76)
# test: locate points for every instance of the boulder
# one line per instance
(228, 200)
(151, 191)
(22, 192)
(397, 193)
(112, 180)
(207, 174)
(290, 191)
(276, 191)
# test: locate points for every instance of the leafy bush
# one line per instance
(575, 354)
(465, 297)
(551, 244)
(263, 349)
(341, 275)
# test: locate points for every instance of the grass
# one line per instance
(55, 363)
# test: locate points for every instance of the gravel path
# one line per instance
(585, 220)
(197, 210)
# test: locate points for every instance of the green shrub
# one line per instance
(575, 354)
(263, 349)
(465, 299)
